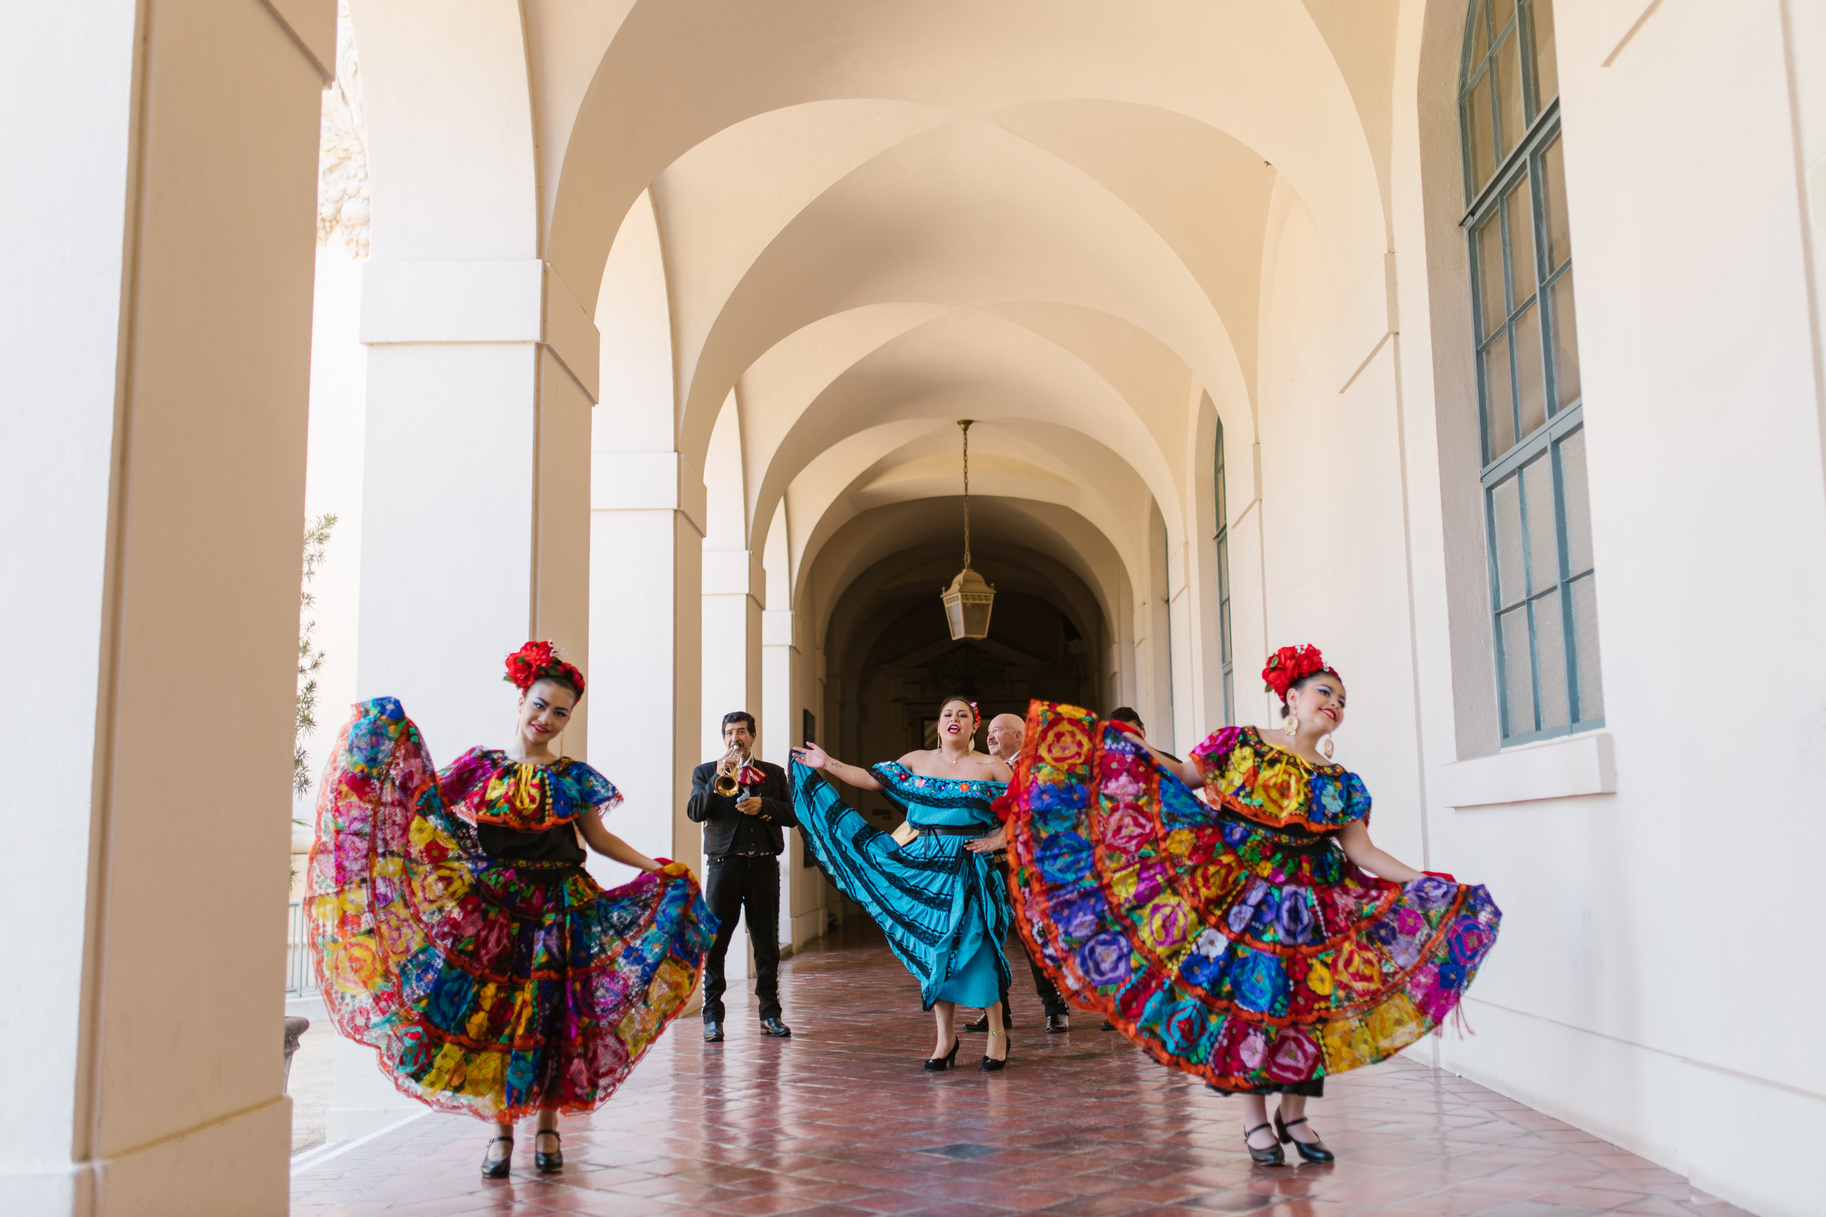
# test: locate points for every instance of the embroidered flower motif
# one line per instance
(1104, 960)
(1210, 944)
(1126, 829)
(1294, 920)
(1292, 1056)
(1258, 981)
(1181, 1025)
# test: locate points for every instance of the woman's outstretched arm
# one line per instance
(609, 845)
(1361, 850)
(1185, 771)
(814, 757)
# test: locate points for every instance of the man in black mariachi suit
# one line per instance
(743, 840)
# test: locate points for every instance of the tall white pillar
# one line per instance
(646, 568)
(475, 520)
(155, 292)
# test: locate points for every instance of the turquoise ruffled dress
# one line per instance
(943, 908)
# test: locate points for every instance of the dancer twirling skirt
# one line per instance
(1240, 939)
(941, 905)
(457, 931)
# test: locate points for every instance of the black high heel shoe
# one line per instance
(548, 1163)
(938, 1064)
(1312, 1151)
(497, 1170)
(990, 1064)
(1272, 1156)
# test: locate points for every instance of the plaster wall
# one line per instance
(1621, 996)
(333, 475)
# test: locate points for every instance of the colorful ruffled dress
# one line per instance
(943, 908)
(457, 932)
(1232, 938)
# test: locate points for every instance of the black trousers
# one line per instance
(1042, 983)
(736, 886)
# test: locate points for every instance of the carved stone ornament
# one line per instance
(342, 157)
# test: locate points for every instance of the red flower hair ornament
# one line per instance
(1288, 666)
(535, 662)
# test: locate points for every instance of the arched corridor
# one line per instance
(647, 326)
(841, 1122)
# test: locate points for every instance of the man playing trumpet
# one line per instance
(744, 805)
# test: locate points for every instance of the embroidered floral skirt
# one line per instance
(488, 988)
(1257, 960)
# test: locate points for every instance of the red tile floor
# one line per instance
(840, 1121)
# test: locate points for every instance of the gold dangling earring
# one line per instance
(1326, 747)
(1291, 725)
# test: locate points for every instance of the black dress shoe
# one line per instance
(1313, 1150)
(1057, 1023)
(497, 1168)
(978, 1024)
(1272, 1156)
(547, 1163)
(713, 1033)
(776, 1028)
(1107, 1026)
(938, 1064)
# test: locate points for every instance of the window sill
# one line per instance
(1552, 769)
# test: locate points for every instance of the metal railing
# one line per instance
(300, 975)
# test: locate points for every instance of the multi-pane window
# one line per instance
(1542, 589)
(1223, 583)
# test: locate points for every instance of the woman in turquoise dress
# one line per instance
(1256, 937)
(936, 897)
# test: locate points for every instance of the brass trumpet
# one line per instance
(726, 783)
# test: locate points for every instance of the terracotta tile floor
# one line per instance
(840, 1121)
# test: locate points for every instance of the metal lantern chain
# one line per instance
(965, 424)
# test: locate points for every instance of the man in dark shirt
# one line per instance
(743, 839)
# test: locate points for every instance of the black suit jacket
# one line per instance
(718, 814)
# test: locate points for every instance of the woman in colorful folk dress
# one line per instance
(1257, 938)
(457, 931)
(936, 895)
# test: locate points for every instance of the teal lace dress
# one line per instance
(943, 908)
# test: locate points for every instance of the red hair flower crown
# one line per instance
(1290, 665)
(537, 660)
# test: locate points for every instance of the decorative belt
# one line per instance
(538, 870)
(1282, 838)
(957, 830)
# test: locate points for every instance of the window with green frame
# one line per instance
(1223, 583)
(1543, 591)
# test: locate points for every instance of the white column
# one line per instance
(646, 538)
(1182, 652)
(154, 353)
(801, 887)
(475, 520)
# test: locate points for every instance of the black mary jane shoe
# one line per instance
(990, 1064)
(938, 1064)
(1272, 1156)
(552, 1163)
(497, 1169)
(1312, 1151)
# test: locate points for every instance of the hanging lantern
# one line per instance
(970, 597)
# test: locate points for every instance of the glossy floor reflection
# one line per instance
(840, 1121)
